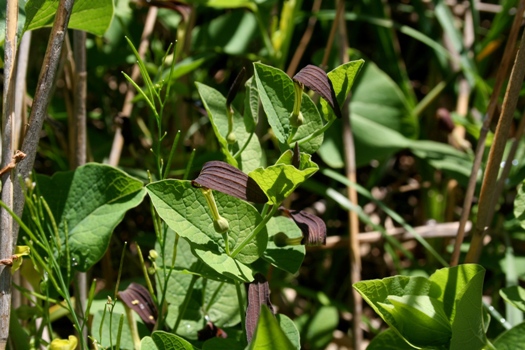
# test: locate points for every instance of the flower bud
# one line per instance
(221, 225)
(231, 138)
(153, 255)
(296, 120)
(282, 240)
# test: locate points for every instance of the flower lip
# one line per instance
(225, 178)
(317, 80)
(258, 294)
(137, 298)
(312, 226)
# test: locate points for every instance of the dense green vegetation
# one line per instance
(262, 174)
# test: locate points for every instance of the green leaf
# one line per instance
(375, 292)
(215, 105)
(443, 157)
(288, 258)
(290, 329)
(251, 156)
(277, 95)
(378, 98)
(420, 319)
(184, 209)
(161, 340)
(467, 328)
(93, 16)
(382, 121)
(510, 339)
(321, 328)
(212, 299)
(515, 296)
(269, 334)
(231, 33)
(457, 290)
(251, 105)
(185, 261)
(278, 181)
(89, 202)
(389, 340)
(342, 79)
(147, 343)
(449, 285)
(312, 123)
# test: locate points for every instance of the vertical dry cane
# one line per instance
(496, 153)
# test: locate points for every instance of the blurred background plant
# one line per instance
(417, 112)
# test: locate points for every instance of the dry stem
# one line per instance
(496, 154)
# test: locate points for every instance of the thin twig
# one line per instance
(79, 125)
(20, 83)
(30, 143)
(500, 78)
(350, 167)
(496, 153)
(6, 221)
(15, 159)
(127, 108)
(436, 230)
(330, 42)
(292, 68)
(508, 164)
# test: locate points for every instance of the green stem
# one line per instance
(188, 166)
(146, 275)
(22, 225)
(213, 297)
(316, 133)
(258, 228)
(208, 195)
(172, 153)
(266, 37)
(239, 152)
(185, 303)
(241, 310)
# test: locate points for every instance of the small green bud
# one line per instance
(153, 255)
(231, 138)
(282, 240)
(151, 270)
(221, 225)
(296, 120)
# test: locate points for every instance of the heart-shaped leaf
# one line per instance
(420, 319)
(276, 92)
(184, 209)
(278, 181)
(342, 79)
(161, 340)
(251, 155)
(88, 204)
